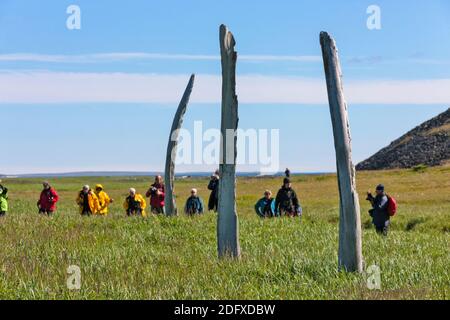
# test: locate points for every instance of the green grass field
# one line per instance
(176, 258)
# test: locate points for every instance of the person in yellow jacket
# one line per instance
(87, 201)
(103, 199)
(135, 204)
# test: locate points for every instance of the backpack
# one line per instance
(193, 205)
(392, 206)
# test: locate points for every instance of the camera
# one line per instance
(153, 190)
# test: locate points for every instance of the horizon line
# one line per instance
(147, 173)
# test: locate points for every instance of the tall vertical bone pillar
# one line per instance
(227, 220)
(350, 252)
(169, 173)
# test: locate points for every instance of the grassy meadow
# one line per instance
(176, 258)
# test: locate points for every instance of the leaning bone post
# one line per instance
(350, 252)
(169, 173)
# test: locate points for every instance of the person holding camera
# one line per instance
(3, 200)
(156, 195)
(213, 185)
(286, 202)
(379, 212)
(48, 199)
(194, 204)
(135, 204)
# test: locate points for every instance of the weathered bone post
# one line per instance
(350, 252)
(227, 220)
(169, 173)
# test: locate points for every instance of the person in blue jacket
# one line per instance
(265, 207)
(194, 204)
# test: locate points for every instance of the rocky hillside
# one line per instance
(427, 144)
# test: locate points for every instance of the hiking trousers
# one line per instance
(383, 230)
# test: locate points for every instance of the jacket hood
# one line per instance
(98, 186)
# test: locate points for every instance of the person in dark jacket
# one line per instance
(286, 202)
(287, 173)
(214, 196)
(265, 207)
(48, 199)
(379, 211)
(135, 204)
(194, 204)
(157, 194)
(87, 201)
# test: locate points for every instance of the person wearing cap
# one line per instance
(286, 201)
(103, 200)
(156, 195)
(213, 185)
(194, 204)
(87, 201)
(265, 207)
(48, 199)
(134, 204)
(3, 200)
(379, 212)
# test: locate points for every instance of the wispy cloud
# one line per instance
(65, 87)
(114, 57)
(129, 56)
(414, 59)
(366, 60)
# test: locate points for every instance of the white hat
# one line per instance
(132, 190)
(86, 187)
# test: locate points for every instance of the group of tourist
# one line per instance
(96, 201)
(286, 202)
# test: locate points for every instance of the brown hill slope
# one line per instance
(428, 143)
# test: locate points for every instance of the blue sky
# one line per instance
(103, 97)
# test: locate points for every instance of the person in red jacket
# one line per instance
(156, 194)
(48, 199)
